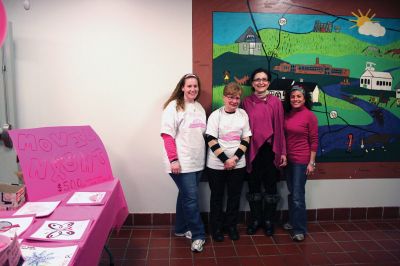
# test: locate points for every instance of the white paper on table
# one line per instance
(61, 230)
(38, 208)
(87, 198)
(51, 256)
(14, 226)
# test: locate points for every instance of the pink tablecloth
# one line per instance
(105, 217)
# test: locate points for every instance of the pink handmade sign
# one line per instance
(56, 160)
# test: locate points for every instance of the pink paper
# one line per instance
(56, 160)
(77, 198)
(9, 252)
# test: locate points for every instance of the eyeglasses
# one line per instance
(233, 98)
(259, 80)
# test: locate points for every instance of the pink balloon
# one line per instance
(3, 23)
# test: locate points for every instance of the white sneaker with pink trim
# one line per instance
(187, 234)
(197, 245)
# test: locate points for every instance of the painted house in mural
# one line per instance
(375, 80)
(322, 27)
(249, 43)
(315, 69)
(281, 87)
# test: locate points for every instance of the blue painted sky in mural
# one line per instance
(228, 26)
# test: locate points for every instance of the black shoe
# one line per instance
(218, 236)
(252, 227)
(269, 229)
(233, 233)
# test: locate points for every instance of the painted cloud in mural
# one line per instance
(366, 25)
(372, 28)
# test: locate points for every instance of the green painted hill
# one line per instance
(329, 44)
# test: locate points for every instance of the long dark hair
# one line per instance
(178, 94)
(307, 96)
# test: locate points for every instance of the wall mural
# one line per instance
(348, 61)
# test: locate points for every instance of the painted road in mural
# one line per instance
(358, 141)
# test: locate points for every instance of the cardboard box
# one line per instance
(11, 196)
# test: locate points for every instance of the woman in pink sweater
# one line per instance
(266, 153)
(301, 131)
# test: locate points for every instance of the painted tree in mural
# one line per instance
(349, 64)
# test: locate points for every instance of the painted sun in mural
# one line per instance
(361, 19)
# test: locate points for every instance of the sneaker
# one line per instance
(187, 234)
(197, 245)
(287, 226)
(298, 237)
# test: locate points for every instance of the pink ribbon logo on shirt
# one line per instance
(231, 136)
(197, 123)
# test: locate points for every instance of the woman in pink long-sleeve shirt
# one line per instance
(301, 130)
(183, 125)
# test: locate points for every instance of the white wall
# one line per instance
(8, 164)
(111, 64)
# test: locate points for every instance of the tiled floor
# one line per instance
(365, 242)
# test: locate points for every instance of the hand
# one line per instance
(230, 164)
(310, 169)
(175, 167)
(283, 161)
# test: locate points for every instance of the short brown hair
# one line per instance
(232, 88)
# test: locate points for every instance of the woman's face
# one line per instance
(231, 102)
(260, 82)
(190, 89)
(297, 99)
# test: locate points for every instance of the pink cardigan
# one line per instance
(266, 123)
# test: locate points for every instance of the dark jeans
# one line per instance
(233, 181)
(264, 172)
(296, 179)
(187, 206)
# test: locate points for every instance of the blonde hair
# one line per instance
(178, 94)
(232, 88)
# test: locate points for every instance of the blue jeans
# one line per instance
(296, 179)
(187, 206)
